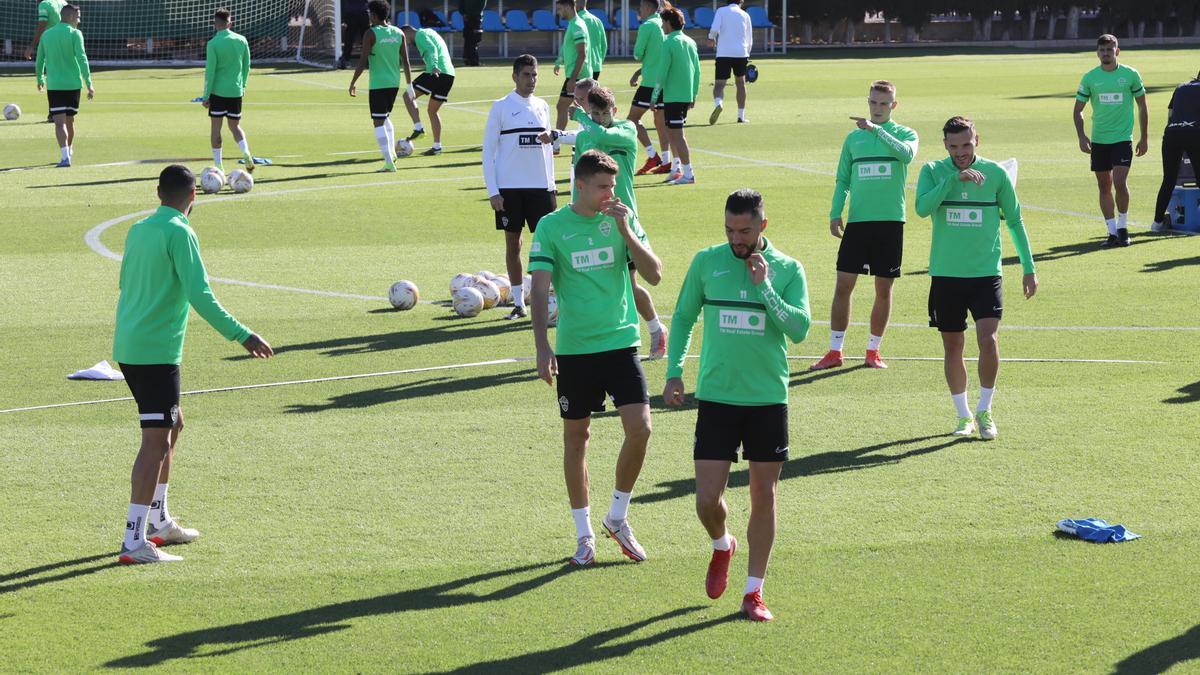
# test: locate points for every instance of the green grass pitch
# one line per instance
(418, 522)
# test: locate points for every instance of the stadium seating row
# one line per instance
(517, 21)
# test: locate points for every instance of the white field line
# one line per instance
(515, 359)
(292, 78)
(1007, 327)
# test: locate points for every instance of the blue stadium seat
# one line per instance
(599, 14)
(410, 18)
(492, 22)
(456, 21)
(688, 24)
(633, 20)
(704, 17)
(445, 27)
(758, 17)
(544, 19)
(517, 21)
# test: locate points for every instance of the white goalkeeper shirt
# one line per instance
(513, 157)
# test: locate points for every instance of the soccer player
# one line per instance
(677, 86)
(62, 66)
(48, 16)
(597, 39)
(575, 58)
(732, 37)
(382, 46)
(1181, 135)
(873, 170)
(226, 72)
(1112, 88)
(648, 51)
(518, 168)
(162, 275)
(437, 80)
(754, 299)
(967, 196)
(584, 249)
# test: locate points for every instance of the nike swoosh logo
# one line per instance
(780, 451)
(720, 273)
(569, 236)
(516, 113)
(895, 269)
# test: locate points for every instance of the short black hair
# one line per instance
(382, 9)
(565, 2)
(176, 181)
(522, 61)
(957, 124)
(1106, 39)
(69, 9)
(593, 162)
(408, 27)
(745, 200)
(222, 15)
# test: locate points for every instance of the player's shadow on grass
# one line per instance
(834, 461)
(434, 386)
(596, 647)
(1164, 265)
(236, 637)
(114, 181)
(28, 578)
(365, 344)
(332, 162)
(1162, 656)
(1154, 89)
(1070, 250)
(657, 405)
(1188, 393)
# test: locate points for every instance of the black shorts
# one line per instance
(1107, 155)
(437, 86)
(951, 297)
(524, 207)
(63, 101)
(584, 379)
(225, 106)
(725, 64)
(596, 75)
(155, 388)
(567, 92)
(643, 98)
(676, 114)
(382, 101)
(874, 247)
(761, 431)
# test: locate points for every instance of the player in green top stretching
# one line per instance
(436, 80)
(967, 196)
(162, 276)
(1112, 88)
(226, 71)
(585, 249)
(61, 67)
(381, 49)
(873, 170)
(753, 299)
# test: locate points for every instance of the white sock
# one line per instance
(418, 127)
(675, 164)
(985, 399)
(687, 171)
(384, 146)
(873, 342)
(244, 144)
(391, 134)
(159, 516)
(556, 146)
(583, 522)
(437, 145)
(753, 584)
(518, 292)
(217, 156)
(135, 526)
(723, 544)
(666, 157)
(960, 404)
(836, 338)
(650, 151)
(70, 151)
(1122, 220)
(654, 325)
(620, 506)
(741, 113)
(717, 101)
(65, 152)
(1112, 225)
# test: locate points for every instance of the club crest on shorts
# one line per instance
(504, 221)
(174, 415)
(563, 403)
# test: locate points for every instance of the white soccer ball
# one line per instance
(552, 309)
(468, 301)
(212, 180)
(240, 181)
(461, 280)
(489, 291)
(527, 285)
(12, 111)
(403, 295)
(505, 289)
(404, 147)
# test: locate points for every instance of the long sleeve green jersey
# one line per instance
(226, 65)
(679, 70)
(873, 171)
(50, 11)
(966, 219)
(62, 63)
(161, 276)
(743, 360)
(619, 142)
(433, 51)
(648, 49)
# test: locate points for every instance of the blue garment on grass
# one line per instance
(1095, 530)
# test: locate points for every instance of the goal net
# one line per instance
(148, 32)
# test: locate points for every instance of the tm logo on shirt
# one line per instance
(741, 322)
(596, 258)
(965, 217)
(528, 140)
(1112, 99)
(879, 171)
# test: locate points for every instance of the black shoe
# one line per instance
(1111, 242)
(517, 313)
(417, 133)
(1123, 237)
(432, 151)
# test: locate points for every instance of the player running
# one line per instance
(437, 80)
(226, 72)
(1112, 88)
(677, 86)
(648, 51)
(381, 49)
(162, 275)
(518, 168)
(732, 37)
(873, 170)
(584, 249)
(62, 66)
(575, 59)
(1181, 135)
(967, 196)
(754, 299)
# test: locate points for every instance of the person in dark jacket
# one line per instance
(354, 24)
(472, 13)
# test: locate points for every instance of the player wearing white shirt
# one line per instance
(733, 37)
(518, 167)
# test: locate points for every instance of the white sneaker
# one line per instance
(172, 533)
(585, 554)
(622, 533)
(149, 553)
(966, 427)
(1158, 227)
(987, 426)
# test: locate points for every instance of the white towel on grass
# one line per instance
(100, 371)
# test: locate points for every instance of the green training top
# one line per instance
(384, 61)
(619, 142)
(588, 262)
(433, 51)
(966, 219)
(575, 33)
(679, 74)
(62, 63)
(1111, 94)
(873, 170)
(161, 274)
(227, 65)
(50, 11)
(648, 49)
(597, 41)
(743, 360)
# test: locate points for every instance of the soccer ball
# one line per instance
(489, 291)
(212, 180)
(240, 181)
(486, 274)
(468, 301)
(461, 280)
(404, 147)
(527, 286)
(403, 295)
(552, 309)
(505, 289)
(12, 111)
